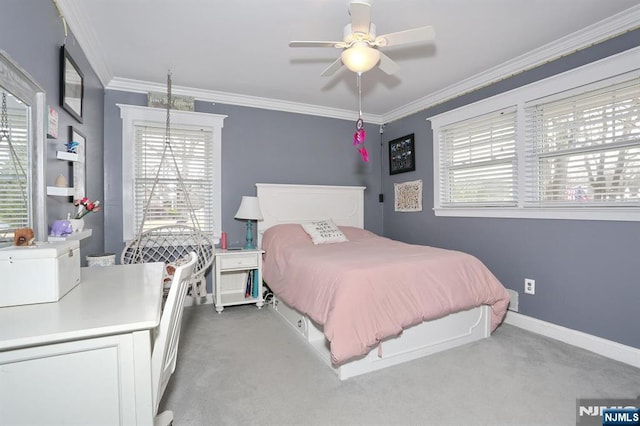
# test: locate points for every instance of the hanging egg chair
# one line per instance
(171, 243)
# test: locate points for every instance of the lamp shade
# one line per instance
(360, 57)
(249, 209)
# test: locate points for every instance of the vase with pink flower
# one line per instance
(84, 207)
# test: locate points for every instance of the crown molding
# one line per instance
(138, 86)
(86, 39)
(600, 31)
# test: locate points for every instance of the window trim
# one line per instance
(16, 80)
(132, 115)
(625, 63)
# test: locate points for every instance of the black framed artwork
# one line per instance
(71, 85)
(402, 155)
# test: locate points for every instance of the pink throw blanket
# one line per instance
(371, 288)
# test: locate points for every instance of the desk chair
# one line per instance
(165, 347)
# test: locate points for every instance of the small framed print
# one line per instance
(402, 156)
(71, 85)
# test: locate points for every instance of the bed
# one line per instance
(368, 302)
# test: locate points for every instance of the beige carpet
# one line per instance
(247, 367)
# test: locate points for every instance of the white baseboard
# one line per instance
(617, 351)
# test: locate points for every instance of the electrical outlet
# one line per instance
(529, 286)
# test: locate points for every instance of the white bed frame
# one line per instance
(345, 206)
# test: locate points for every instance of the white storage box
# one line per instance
(38, 274)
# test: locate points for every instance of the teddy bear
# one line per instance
(23, 237)
(170, 270)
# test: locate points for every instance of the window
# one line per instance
(478, 161)
(196, 148)
(585, 149)
(566, 147)
(14, 165)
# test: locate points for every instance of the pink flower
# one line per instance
(82, 201)
(85, 206)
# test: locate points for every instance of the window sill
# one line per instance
(627, 214)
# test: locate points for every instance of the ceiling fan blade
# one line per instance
(314, 43)
(360, 12)
(331, 69)
(387, 65)
(415, 35)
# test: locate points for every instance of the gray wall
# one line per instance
(31, 32)
(258, 146)
(586, 272)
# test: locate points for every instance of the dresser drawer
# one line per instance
(239, 261)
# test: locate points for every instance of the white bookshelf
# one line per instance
(68, 156)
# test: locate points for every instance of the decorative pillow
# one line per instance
(324, 232)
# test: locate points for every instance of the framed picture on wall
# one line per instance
(402, 155)
(78, 167)
(71, 85)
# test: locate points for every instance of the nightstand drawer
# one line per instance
(239, 261)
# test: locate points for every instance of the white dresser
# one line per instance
(86, 359)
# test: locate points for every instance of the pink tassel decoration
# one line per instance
(365, 155)
(358, 140)
(358, 137)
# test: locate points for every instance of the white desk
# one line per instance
(85, 359)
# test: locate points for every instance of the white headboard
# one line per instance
(283, 203)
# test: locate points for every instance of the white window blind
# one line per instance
(14, 183)
(478, 163)
(196, 141)
(191, 163)
(576, 145)
(584, 150)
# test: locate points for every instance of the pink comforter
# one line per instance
(371, 288)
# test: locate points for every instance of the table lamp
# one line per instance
(249, 210)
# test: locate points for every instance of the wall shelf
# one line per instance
(80, 235)
(69, 156)
(62, 192)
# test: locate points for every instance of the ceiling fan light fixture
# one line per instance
(360, 57)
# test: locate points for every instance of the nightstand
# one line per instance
(238, 278)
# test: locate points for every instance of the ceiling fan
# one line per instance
(361, 45)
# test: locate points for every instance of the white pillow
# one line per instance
(324, 232)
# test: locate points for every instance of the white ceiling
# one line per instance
(237, 51)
